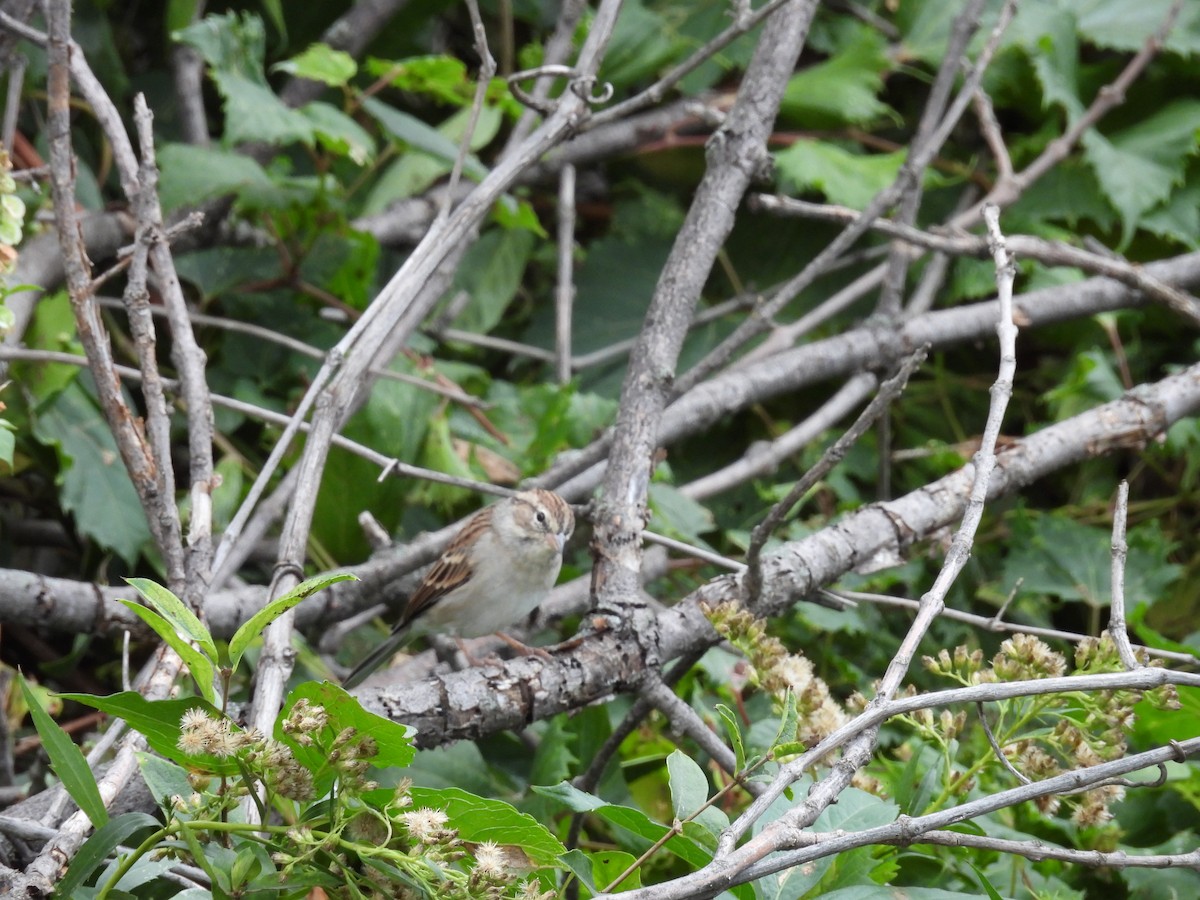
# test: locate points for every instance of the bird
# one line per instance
(497, 569)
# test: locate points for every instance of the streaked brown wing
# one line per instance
(452, 568)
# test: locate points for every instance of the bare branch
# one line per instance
(1120, 550)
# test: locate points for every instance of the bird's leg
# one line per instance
(523, 649)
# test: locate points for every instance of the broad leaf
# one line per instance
(634, 821)
(320, 62)
(478, 819)
(96, 488)
(689, 792)
(192, 174)
(849, 179)
(158, 721)
(343, 711)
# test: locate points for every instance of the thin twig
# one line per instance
(1120, 550)
(993, 623)
(888, 391)
(564, 297)
(1052, 253)
(487, 68)
(763, 459)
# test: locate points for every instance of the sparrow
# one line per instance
(498, 569)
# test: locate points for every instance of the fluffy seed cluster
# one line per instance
(267, 758)
(778, 671)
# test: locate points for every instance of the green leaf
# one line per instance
(255, 624)
(253, 112)
(992, 893)
(788, 722)
(338, 133)
(414, 172)
(320, 62)
(418, 135)
(634, 821)
(843, 89)
(643, 41)
(609, 865)
(66, 759)
(344, 711)
(96, 488)
(8, 443)
(1059, 557)
(1138, 167)
(1121, 26)
(492, 272)
(478, 819)
(198, 664)
(97, 848)
(229, 42)
(164, 779)
(191, 174)
(175, 611)
(158, 722)
(849, 179)
(678, 515)
(689, 791)
(512, 213)
(442, 77)
(733, 729)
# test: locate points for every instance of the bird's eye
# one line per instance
(541, 517)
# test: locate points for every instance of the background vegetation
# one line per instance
(668, 290)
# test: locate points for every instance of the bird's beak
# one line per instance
(557, 541)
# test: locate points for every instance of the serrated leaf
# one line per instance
(339, 133)
(198, 664)
(1121, 26)
(255, 624)
(176, 612)
(67, 760)
(344, 711)
(843, 89)
(97, 848)
(253, 112)
(229, 42)
(320, 62)
(850, 179)
(96, 488)
(1138, 167)
(443, 77)
(478, 819)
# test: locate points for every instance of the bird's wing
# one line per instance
(452, 569)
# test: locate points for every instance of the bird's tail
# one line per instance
(375, 658)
